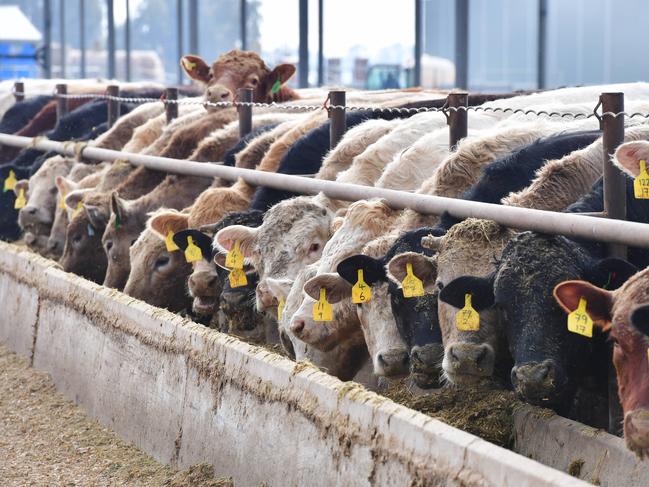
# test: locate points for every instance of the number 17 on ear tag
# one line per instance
(467, 319)
(361, 292)
(237, 278)
(322, 309)
(579, 322)
(641, 182)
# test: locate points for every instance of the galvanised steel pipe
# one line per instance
(171, 109)
(571, 225)
(19, 91)
(61, 101)
(245, 111)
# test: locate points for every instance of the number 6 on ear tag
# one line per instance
(579, 322)
(467, 319)
(322, 309)
(361, 292)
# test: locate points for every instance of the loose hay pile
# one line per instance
(487, 413)
(47, 440)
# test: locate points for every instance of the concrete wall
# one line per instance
(187, 394)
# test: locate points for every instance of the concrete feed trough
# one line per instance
(187, 394)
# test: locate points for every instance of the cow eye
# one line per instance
(440, 285)
(161, 261)
(132, 242)
(54, 190)
(76, 239)
(254, 81)
(314, 247)
(109, 245)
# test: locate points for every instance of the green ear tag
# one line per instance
(118, 221)
(276, 86)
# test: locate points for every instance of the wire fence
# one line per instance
(350, 108)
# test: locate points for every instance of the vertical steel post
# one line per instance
(337, 117)
(111, 38)
(62, 37)
(193, 26)
(61, 101)
(82, 37)
(418, 43)
(179, 38)
(171, 109)
(457, 119)
(320, 43)
(113, 105)
(47, 38)
(19, 91)
(303, 57)
(127, 41)
(462, 43)
(245, 111)
(614, 207)
(243, 24)
(541, 40)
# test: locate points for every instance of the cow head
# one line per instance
(238, 69)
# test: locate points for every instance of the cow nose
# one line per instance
(636, 429)
(52, 245)
(201, 281)
(471, 358)
(234, 298)
(297, 326)
(426, 364)
(393, 363)
(218, 94)
(535, 381)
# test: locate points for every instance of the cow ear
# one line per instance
(97, 217)
(279, 288)
(373, 270)
(336, 287)
(628, 155)
(599, 302)
(481, 290)
(168, 221)
(225, 238)
(202, 241)
(22, 184)
(640, 318)
(432, 242)
(65, 185)
(423, 267)
(195, 68)
(336, 223)
(281, 73)
(612, 272)
(118, 206)
(75, 197)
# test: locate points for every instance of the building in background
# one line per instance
(19, 40)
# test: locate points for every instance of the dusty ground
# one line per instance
(47, 440)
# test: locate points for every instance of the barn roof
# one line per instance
(14, 26)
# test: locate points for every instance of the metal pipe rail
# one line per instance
(570, 225)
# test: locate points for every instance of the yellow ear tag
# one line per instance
(169, 242)
(10, 182)
(467, 319)
(237, 278)
(188, 65)
(361, 292)
(77, 210)
(192, 252)
(411, 284)
(62, 202)
(579, 322)
(280, 309)
(641, 182)
(20, 200)
(322, 309)
(234, 258)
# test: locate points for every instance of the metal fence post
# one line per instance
(337, 117)
(110, 13)
(113, 105)
(171, 109)
(614, 207)
(245, 111)
(61, 102)
(19, 91)
(457, 119)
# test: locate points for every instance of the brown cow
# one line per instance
(240, 69)
(624, 313)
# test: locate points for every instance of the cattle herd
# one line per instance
(359, 289)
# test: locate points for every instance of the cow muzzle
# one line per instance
(636, 431)
(426, 365)
(466, 362)
(392, 363)
(538, 382)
